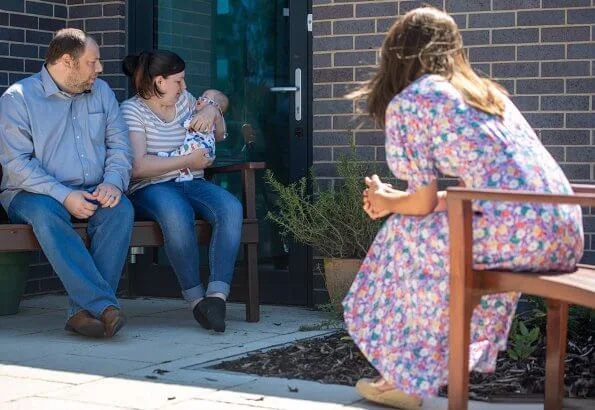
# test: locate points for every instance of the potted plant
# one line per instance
(330, 221)
(13, 277)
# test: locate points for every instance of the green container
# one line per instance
(13, 277)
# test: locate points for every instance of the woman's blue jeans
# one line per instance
(90, 276)
(174, 205)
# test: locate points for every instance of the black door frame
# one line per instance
(142, 36)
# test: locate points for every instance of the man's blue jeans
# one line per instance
(90, 276)
(174, 206)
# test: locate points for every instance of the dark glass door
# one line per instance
(257, 52)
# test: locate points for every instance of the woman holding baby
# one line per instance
(168, 183)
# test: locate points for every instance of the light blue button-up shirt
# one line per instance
(52, 143)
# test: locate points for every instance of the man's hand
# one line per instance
(198, 160)
(78, 205)
(108, 195)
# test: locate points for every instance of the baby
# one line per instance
(199, 140)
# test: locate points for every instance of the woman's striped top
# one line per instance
(160, 135)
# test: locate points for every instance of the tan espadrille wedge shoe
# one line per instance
(368, 388)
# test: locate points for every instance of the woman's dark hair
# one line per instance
(67, 41)
(144, 67)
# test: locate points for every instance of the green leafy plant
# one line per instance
(331, 221)
(522, 342)
(581, 320)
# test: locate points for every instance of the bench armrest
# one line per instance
(247, 170)
(460, 215)
(584, 195)
(583, 188)
(209, 172)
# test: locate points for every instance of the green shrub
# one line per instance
(331, 221)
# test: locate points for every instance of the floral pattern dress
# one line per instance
(397, 308)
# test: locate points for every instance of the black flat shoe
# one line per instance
(200, 318)
(210, 313)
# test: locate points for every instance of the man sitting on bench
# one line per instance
(65, 153)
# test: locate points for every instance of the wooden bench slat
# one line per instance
(20, 237)
(574, 287)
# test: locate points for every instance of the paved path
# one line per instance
(158, 362)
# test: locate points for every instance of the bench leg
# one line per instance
(557, 326)
(252, 302)
(130, 277)
(461, 309)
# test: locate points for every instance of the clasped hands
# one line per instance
(377, 197)
(82, 204)
(381, 199)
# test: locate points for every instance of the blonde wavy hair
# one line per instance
(427, 41)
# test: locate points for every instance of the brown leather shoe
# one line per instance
(113, 320)
(85, 324)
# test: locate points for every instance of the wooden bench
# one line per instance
(468, 285)
(18, 237)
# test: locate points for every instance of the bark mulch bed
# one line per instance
(335, 359)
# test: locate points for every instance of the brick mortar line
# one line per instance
(97, 17)
(315, 6)
(52, 32)
(382, 146)
(475, 46)
(51, 3)
(356, 35)
(334, 52)
(565, 24)
(472, 62)
(19, 13)
(354, 82)
(589, 110)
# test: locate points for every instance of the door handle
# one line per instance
(297, 89)
(283, 89)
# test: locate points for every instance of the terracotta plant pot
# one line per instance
(13, 277)
(339, 275)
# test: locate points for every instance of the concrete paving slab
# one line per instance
(120, 392)
(159, 360)
(39, 403)
(55, 302)
(12, 388)
(50, 320)
(185, 331)
(42, 403)
(148, 351)
(22, 348)
(195, 404)
(69, 368)
(148, 306)
(210, 379)
(287, 394)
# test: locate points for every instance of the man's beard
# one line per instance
(76, 85)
